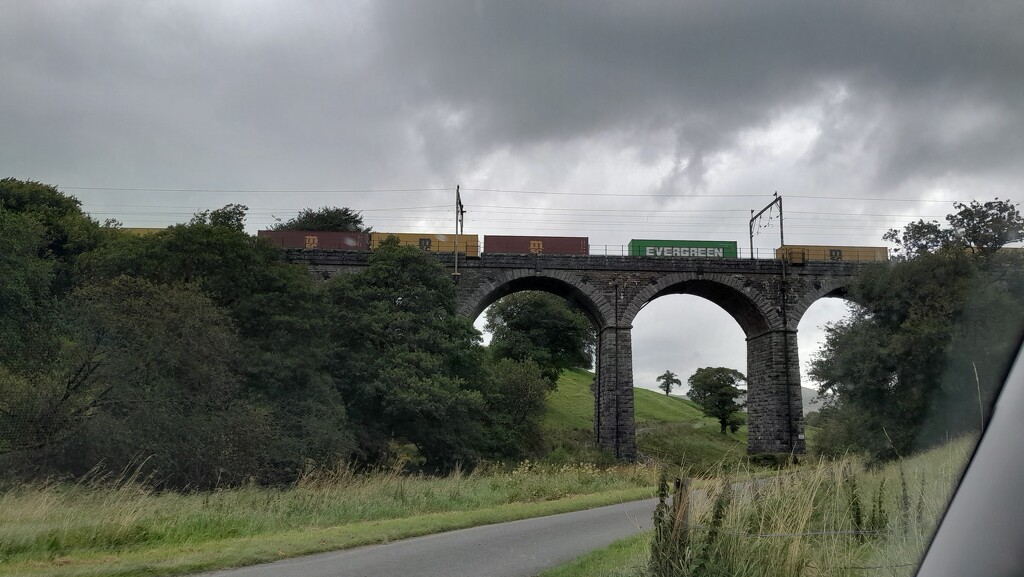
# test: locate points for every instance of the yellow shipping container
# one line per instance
(799, 254)
(142, 231)
(469, 244)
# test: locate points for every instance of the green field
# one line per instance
(670, 429)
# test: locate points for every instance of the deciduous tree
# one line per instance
(922, 356)
(326, 218)
(516, 400)
(231, 217)
(146, 371)
(542, 327)
(981, 228)
(715, 390)
(27, 303)
(66, 232)
(279, 314)
(907, 368)
(409, 368)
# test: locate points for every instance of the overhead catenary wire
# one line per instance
(487, 208)
(701, 195)
(633, 218)
(255, 190)
(495, 190)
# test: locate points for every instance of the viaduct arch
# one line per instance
(567, 284)
(612, 290)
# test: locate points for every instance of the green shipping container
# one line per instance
(687, 248)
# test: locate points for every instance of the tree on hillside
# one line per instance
(325, 218)
(981, 228)
(668, 380)
(716, 390)
(542, 327)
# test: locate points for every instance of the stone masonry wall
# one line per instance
(613, 419)
(774, 410)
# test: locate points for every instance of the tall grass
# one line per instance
(837, 518)
(48, 520)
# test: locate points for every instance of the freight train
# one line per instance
(469, 245)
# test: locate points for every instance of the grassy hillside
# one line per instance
(669, 428)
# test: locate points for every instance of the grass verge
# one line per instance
(836, 518)
(204, 556)
(624, 558)
(124, 528)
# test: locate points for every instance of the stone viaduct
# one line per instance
(613, 289)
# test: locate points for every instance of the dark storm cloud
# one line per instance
(938, 86)
(189, 94)
(368, 92)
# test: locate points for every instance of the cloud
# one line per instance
(526, 73)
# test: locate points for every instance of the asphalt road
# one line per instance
(514, 549)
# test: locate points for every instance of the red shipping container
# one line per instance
(311, 239)
(497, 244)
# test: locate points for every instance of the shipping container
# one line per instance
(500, 244)
(799, 254)
(469, 244)
(687, 248)
(142, 231)
(310, 239)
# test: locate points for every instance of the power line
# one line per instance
(255, 191)
(533, 211)
(497, 190)
(258, 209)
(700, 195)
(611, 194)
(546, 223)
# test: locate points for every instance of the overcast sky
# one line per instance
(612, 120)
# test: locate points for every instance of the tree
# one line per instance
(516, 401)
(715, 390)
(326, 218)
(278, 311)
(907, 367)
(668, 380)
(145, 370)
(231, 216)
(542, 327)
(410, 369)
(981, 228)
(923, 355)
(27, 304)
(66, 232)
